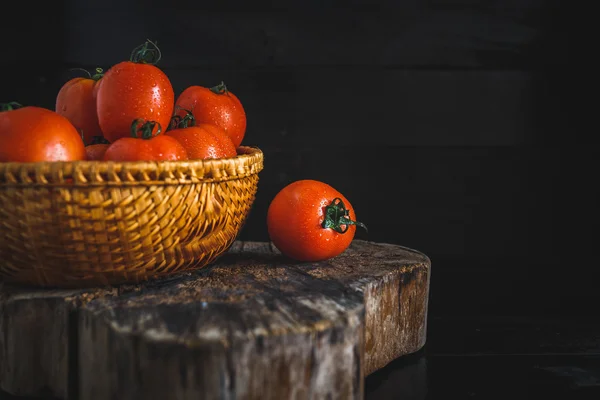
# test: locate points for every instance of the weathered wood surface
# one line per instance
(255, 325)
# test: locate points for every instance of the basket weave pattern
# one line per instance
(79, 224)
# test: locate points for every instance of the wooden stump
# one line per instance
(255, 325)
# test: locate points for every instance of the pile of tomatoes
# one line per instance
(129, 113)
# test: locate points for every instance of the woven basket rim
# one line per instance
(249, 161)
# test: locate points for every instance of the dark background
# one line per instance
(456, 127)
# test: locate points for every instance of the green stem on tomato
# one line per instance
(146, 128)
(336, 215)
(174, 122)
(98, 139)
(179, 122)
(146, 55)
(82, 69)
(220, 88)
(99, 74)
(10, 106)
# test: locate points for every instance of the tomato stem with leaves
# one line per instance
(220, 88)
(96, 77)
(146, 55)
(99, 74)
(13, 105)
(179, 122)
(336, 215)
(145, 128)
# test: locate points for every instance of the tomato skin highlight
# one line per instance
(222, 109)
(76, 101)
(295, 217)
(132, 90)
(32, 134)
(204, 141)
(158, 148)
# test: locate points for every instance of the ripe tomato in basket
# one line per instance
(216, 106)
(309, 220)
(95, 152)
(31, 134)
(134, 89)
(201, 141)
(145, 145)
(76, 101)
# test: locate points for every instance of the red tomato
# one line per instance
(76, 101)
(134, 89)
(96, 151)
(311, 221)
(31, 134)
(202, 141)
(148, 146)
(216, 106)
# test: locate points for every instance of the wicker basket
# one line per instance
(81, 224)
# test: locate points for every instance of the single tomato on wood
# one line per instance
(145, 145)
(201, 141)
(309, 220)
(31, 134)
(76, 101)
(134, 89)
(216, 106)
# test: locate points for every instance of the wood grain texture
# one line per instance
(37, 339)
(254, 325)
(34, 343)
